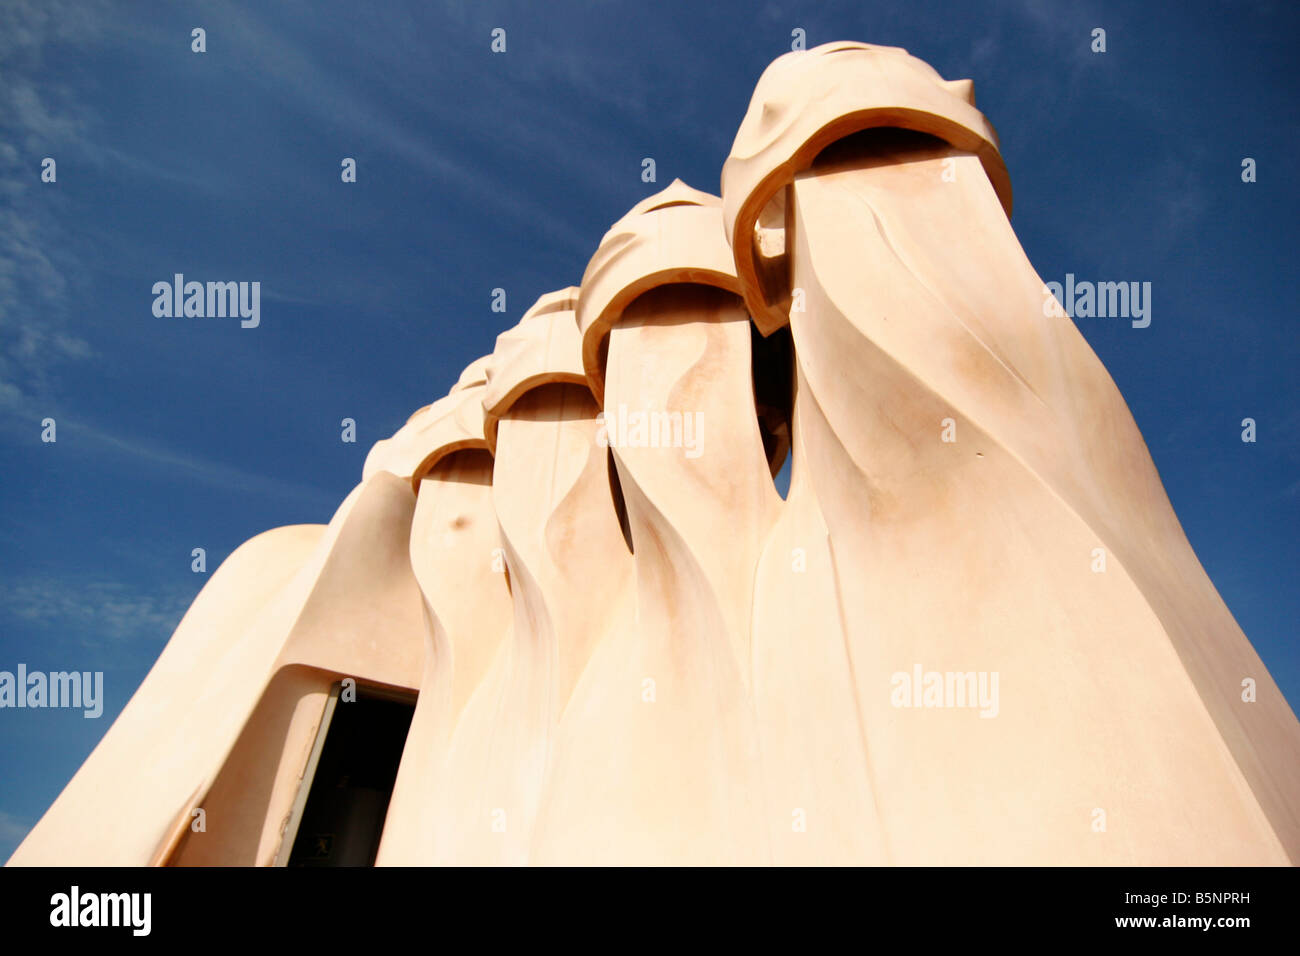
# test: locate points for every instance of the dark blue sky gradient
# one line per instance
(477, 171)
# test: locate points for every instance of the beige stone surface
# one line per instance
(1120, 690)
(455, 553)
(673, 775)
(628, 649)
(673, 236)
(544, 348)
(284, 616)
(807, 100)
(977, 555)
(456, 557)
(451, 424)
(570, 577)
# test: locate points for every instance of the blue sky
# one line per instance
(479, 170)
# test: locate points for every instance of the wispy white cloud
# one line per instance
(109, 612)
(35, 339)
(37, 116)
(28, 25)
(40, 261)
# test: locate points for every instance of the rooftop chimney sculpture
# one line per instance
(972, 633)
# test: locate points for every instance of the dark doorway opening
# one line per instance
(772, 371)
(343, 817)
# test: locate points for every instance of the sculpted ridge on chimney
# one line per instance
(671, 237)
(808, 99)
